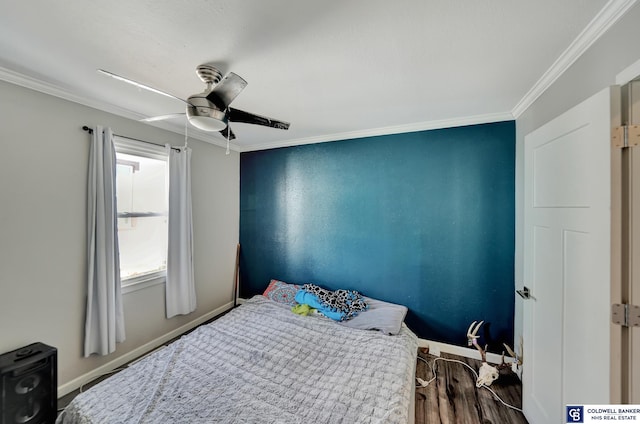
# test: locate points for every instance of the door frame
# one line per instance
(627, 204)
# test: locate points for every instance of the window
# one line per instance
(142, 197)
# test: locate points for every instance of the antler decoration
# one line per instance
(487, 373)
(517, 359)
(472, 338)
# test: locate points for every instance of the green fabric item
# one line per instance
(302, 309)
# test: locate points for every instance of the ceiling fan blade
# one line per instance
(139, 84)
(236, 115)
(225, 133)
(163, 117)
(226, 90)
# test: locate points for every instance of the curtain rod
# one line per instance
(90, 131)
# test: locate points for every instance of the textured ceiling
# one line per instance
(334, 69)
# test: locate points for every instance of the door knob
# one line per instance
(525, 293)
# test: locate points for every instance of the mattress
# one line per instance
(261, 363)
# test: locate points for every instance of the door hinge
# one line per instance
(625, 315)
(625, 136)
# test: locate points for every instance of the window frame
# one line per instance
(153, 151)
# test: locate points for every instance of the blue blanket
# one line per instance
(340, 305)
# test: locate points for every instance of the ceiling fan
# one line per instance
(209, 110)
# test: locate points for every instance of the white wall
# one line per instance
(43, 167)
(595, 70)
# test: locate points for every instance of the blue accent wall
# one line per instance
(423, 219)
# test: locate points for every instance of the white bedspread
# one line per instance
(260, 363)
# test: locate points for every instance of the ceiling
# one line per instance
(335, 69)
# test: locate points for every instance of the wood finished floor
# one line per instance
(454, 399)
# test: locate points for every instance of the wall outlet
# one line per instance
(434, 350)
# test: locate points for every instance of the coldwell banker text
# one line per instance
(610, 414)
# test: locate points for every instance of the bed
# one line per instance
(261, 363)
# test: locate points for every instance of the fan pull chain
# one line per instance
(186, 134)
(228, 134)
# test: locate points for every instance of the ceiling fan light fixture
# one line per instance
(206, 123)
(204, 116)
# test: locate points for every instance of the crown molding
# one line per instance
(54, 90)
(608, 16)
(397, 129)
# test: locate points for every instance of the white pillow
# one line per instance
(382, 316)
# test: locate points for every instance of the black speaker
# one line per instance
(29, 385)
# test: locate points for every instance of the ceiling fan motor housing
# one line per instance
(209, 74)
(205, 115)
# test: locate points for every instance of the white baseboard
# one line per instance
(72, 385)
(466, 352)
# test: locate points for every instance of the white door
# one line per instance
(567, 260)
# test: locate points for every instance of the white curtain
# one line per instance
(104, 325)
(180, 286)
